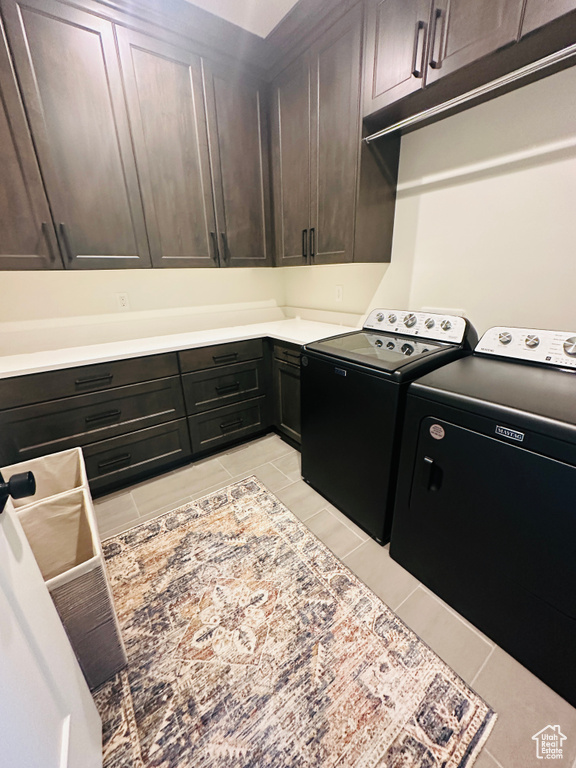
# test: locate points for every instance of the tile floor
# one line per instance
(524, 704)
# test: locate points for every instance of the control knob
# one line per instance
(390, 345)
(407, 349)
(505, 337)
(379, 317)
(570, 346)
(532, 341)
(446, 325)
(410, 320)
(392, 318)
(429, 323)
(378, 342)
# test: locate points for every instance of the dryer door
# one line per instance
(493, 501)
(490, 527)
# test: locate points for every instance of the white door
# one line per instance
(47, 716)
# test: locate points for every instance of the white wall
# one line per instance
(33, 296)
(486, 211)
(43, 295)
(332, 287)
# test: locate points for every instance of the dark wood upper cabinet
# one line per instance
(397, 34)
(453, 45)
(68, 70)
(237, 112)
(316, 144)
(166, 108)
(335, 146)
(464, 31)
(27, 238)
(538, 13)
(291, 162)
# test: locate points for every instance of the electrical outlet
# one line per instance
(123, 301)
(338, 293)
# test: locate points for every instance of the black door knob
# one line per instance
(20, 485)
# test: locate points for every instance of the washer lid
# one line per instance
(385, 352)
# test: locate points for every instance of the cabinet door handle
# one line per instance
(46, 235)
(117, 462)
(436, 58)
(225, 251)
(88, 381)
(312, 243)
(419, 49)
(229, 358)
(432, 477)
(232, 424)
(304, 243)
(215, 255)
(67, 243)
(106, 416)
(226, 388)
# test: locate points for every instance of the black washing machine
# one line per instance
(353, 392)
(485, 511)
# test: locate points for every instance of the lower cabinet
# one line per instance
(215, 429)
(137, 455)
(127, 416)
(226, 388)
(138, 417)
(286, 381)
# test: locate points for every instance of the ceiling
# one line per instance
(257, 16)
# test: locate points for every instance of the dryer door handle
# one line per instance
(432, 475)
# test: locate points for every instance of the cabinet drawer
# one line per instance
(205, 390)
(76, 421)
(124, 459)
(220, 354)
(290, 353)
(39, 387)
(224, 425)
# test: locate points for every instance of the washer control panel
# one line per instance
(425, 325)
(547, 347)
(400, 345)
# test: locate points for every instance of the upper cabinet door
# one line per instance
(27, 239)
(167, 116)
(335, 146)
(396, 43)
(462, 31)
(238, 135)
(68, 70)
(539, 13)
(291, 162)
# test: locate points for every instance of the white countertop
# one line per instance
(292, 330)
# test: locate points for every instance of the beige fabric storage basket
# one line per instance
(61, 527)
(54, 474)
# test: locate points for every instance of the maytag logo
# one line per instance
(511, 433)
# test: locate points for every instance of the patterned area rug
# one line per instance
(250, 644)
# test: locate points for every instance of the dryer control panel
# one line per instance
(556, 348)
(424, 325)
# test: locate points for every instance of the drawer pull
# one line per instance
(229, 358)
(90, 380)
(231, 424)
(106, 416)
(292, 355)
(119, 461)
(226, 388)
